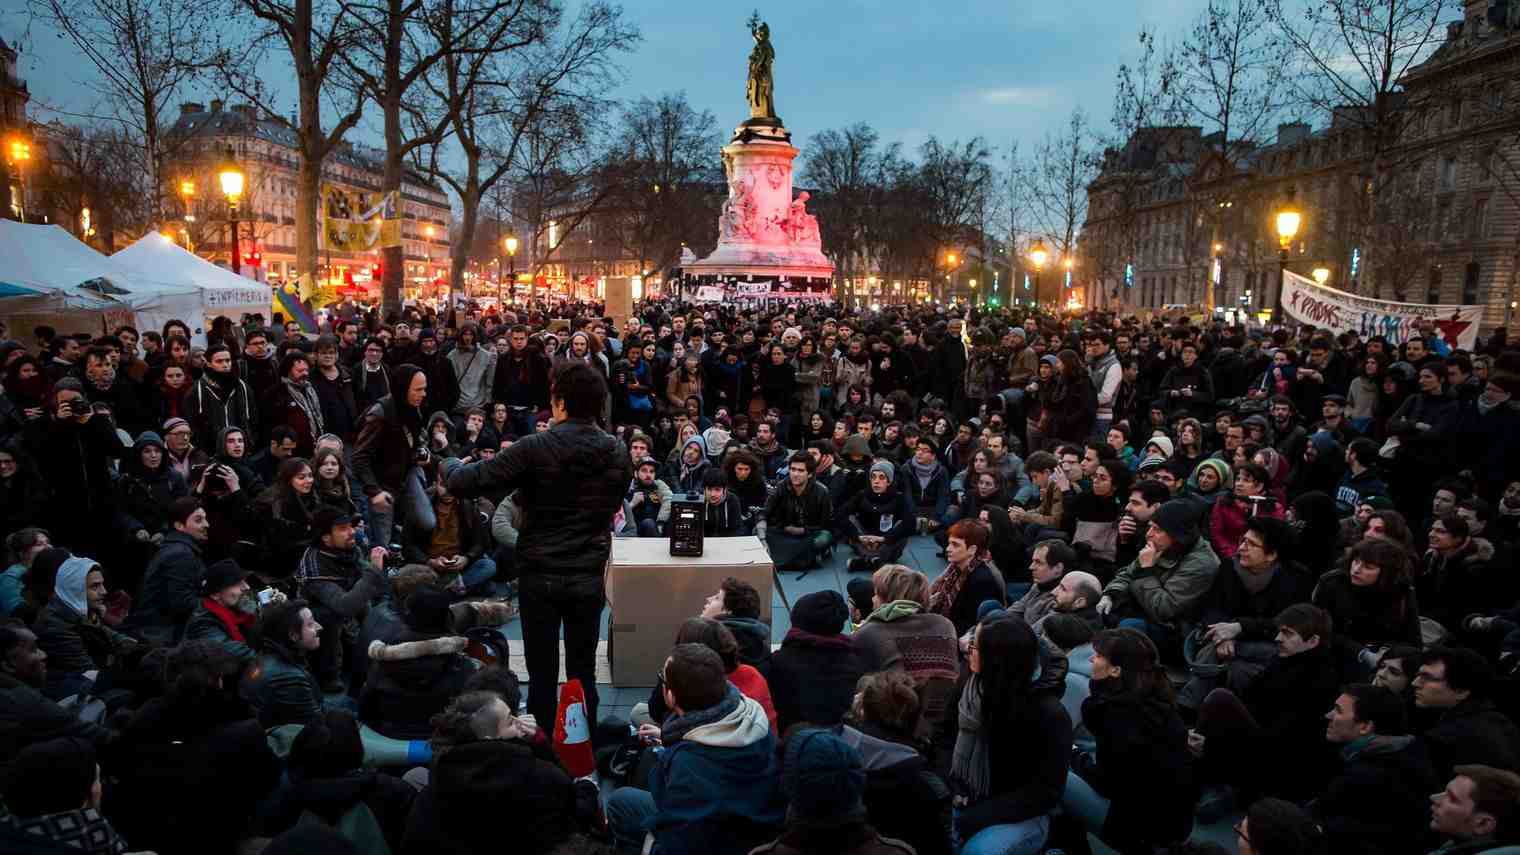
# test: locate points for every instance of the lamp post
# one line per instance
(231, 179)
(187, 193)
(511, 244)
(17, 153)
(1288, 221)
(951, 260)
(1321, 275)
(1038, 256)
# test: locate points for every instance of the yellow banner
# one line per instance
(355, 221)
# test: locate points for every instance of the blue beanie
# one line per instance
(822, 777)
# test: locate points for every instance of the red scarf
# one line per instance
(235, 622)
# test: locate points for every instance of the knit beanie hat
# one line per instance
(1164, 443)
(1179, 519)
(171, 424)
(50, 777)
(1221, 468)
(822, 777)
(821, 613)
(1151, 463)
(1019, 331)
(884, 467)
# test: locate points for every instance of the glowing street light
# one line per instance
(230, 177)
(1321, 275)
(1288, 221)
(1038, 256)
(17, 153)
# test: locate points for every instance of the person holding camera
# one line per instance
(75, 448)
(339, 582)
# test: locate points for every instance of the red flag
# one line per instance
(572, 733)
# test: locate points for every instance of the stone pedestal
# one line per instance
(763, 231)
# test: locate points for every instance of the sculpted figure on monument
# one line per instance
(761, 88)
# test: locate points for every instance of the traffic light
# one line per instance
(374, 271)
(253, 258)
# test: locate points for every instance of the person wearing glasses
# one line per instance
(1276, 827)
(1455, 684)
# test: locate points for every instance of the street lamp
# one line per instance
(230, 176)
(187, 193)
(1321, 275)
(509, 243)
(17, 153)
(1288, 221)
(1038, 256)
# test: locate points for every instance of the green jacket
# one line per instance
(1171, 591)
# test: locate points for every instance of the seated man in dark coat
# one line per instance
(1455, 683)
(797, 517)
(413, 676)
(1379, 801)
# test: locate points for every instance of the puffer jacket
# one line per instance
(412, 680)
(573, 477)
(1171, 592)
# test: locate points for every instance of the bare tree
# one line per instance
(403, 42)
(145, 53)
(1230, 71)
(311, 35)
(1350, 58)
(947, 196)
(1059, 172)
(848, 170)
(98, 168)
(668, 180)
(527, 115)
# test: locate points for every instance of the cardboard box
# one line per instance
(652, 592)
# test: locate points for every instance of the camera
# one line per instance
(266, 596)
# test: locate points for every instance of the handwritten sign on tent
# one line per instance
(1309, 302)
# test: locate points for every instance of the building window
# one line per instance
(1480, 219)
(1433, 285)
(1454, 113)
(1470, 283)
(1443, 220)
(1448, 173)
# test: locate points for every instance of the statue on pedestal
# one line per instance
(761, 88)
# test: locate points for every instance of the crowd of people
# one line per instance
(1185, 570)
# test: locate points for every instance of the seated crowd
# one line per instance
(1182, 574)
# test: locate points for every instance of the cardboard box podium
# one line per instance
(652, 592)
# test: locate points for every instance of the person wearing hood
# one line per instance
(736, 605)
(798, 517)
(1378, 801)
(715, 786)
(878, 521)
(144, 490)
(1161, 592)
(220, 399)
(443, 382)
(70, 630)
(722, 514)
(686, 476)
(1320, 468)
(1361, 480)
(474, 369)
(52, 802)
(390, 435)
(293, 402)
(1239, 615)
(414, 674)
(172, 583)
(1141, 740)
(824, 780)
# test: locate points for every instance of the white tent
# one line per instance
(183, 285)
(72, 288)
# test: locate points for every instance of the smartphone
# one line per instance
(266, 596)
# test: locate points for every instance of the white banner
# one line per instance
(709, 294)
(1309, 302)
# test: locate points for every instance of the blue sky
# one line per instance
(1001, 70)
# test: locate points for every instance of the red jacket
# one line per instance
(1227, 523)
(751, 684)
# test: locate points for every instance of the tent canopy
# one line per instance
(49, 277)
(186, 284)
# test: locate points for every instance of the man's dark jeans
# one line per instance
(548, 602)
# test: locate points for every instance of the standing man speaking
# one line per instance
(571, 479)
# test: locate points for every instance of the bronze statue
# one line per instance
(761, 90)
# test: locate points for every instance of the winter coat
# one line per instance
(142, 498)
(754, 637)
(383, 452)
(74, 645)
(411, 680)
(905, 798)
(206, 625)
(28, 716)
(81, 831)
(212, 407)
(716, 782)
(924, 645)
(933, 497)
(1228, 600)
(171, 589)
(1227, 523)
(889, 515)
(1141, 741)
(1473, 731)
(1354, 489)
(812, 679)
(1028, 774)
(811, 510)
(1451, 587)
(280, 688)
(1289, 700)
(477, 789)
(1200, 405)
(1485, 444)
(1380, 800)
(179, 762)
(564, 531)
(1369, 615)
(1172, 591)
(848, 372)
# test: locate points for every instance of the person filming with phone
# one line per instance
(74, 450)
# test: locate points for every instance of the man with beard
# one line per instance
(1289, 432)
(335, 389)
(219, 400)
(102, 386)
(773, 455)
(474, 370)
(294, 403)
(385, 453)
(878, 521)
(258, 367)
(522, 380)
